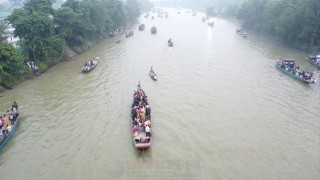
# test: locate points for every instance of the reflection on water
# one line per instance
(221, 110)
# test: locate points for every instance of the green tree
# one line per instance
(11, 64)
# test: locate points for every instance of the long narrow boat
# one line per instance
(140, 122)
(289, 67)
(153, 75)
(6, 134)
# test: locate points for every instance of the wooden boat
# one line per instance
(129, 33)
(153, 30)
(153, 75)
(141, 27)
(5, 135)
(289, 67)
(90, 65)
(141, 120)
(210, 22)
(314, 59)
(243, 34)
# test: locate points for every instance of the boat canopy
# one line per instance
(287, 60)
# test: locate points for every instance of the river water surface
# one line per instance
(221, 110)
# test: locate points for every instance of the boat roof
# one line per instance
(287, 59)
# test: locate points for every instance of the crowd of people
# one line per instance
(140, 116)
(8, 120)
(290, 66)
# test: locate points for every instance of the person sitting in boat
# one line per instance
(142, 114)
(1, 122)
(169, 41)
(147, 123)
(6, 120)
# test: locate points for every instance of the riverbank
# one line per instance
(68, 54)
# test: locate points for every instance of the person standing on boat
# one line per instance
(148, 131)
(11, 118)
(139, 86)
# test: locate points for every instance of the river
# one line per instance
(220, 110)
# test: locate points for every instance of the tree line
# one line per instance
(294, 22)
(46, 33)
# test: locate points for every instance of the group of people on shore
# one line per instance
(140, 114)
(8, 120)
(33, 66)
(290, 66)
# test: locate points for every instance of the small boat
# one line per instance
(7, 131)
(289, 67)
(141, 120)
(129, 33)
(153, 75)
(210, 22)
(170, 43)
(314, 59)
(90, 65)
(141, 27)
(243, 34)
(153, 30)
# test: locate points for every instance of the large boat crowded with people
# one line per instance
(8, 123)
(290, 67)
(141, 120)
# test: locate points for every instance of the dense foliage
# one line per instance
(46, 32)
(295, 22)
